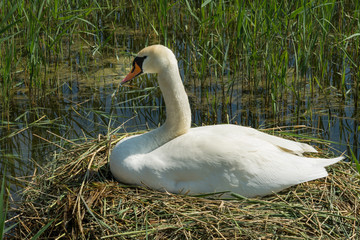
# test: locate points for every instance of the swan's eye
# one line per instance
(136, 69)
(139, 61)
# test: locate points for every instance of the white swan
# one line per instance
(177, 158)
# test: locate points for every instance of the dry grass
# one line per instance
(77, 193)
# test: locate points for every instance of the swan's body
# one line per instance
(177, 158)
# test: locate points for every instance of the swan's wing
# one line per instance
(213, 158)
(284, 144)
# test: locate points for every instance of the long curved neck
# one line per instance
(178, 116)
(178, 113)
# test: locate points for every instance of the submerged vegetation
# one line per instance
(259, 63)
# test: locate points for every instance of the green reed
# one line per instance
(3, 207)
(283, 47)
(240, 37)
(37, 35)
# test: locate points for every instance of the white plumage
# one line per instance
(177, 158)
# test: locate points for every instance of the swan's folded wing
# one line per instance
(204, 160)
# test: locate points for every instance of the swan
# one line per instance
(180, 159)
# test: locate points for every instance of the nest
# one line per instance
(75, 197)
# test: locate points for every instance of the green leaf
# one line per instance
(205, 3)
(357, 164)
(42, 230)
(3, 207)
(352, 36)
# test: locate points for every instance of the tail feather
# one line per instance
(324, 162)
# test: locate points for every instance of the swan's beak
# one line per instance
(135, 71)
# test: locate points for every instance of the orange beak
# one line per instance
(136, 70)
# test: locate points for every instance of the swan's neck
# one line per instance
(178, 116)
(178, 113)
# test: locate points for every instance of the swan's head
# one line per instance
(152, 59)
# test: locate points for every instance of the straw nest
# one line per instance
(75, 197)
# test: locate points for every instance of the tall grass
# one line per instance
(261, 41)
(37, 35)
(4, 207)
(255, 42)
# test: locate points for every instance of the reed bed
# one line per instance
(75, 197)
(255, 40)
